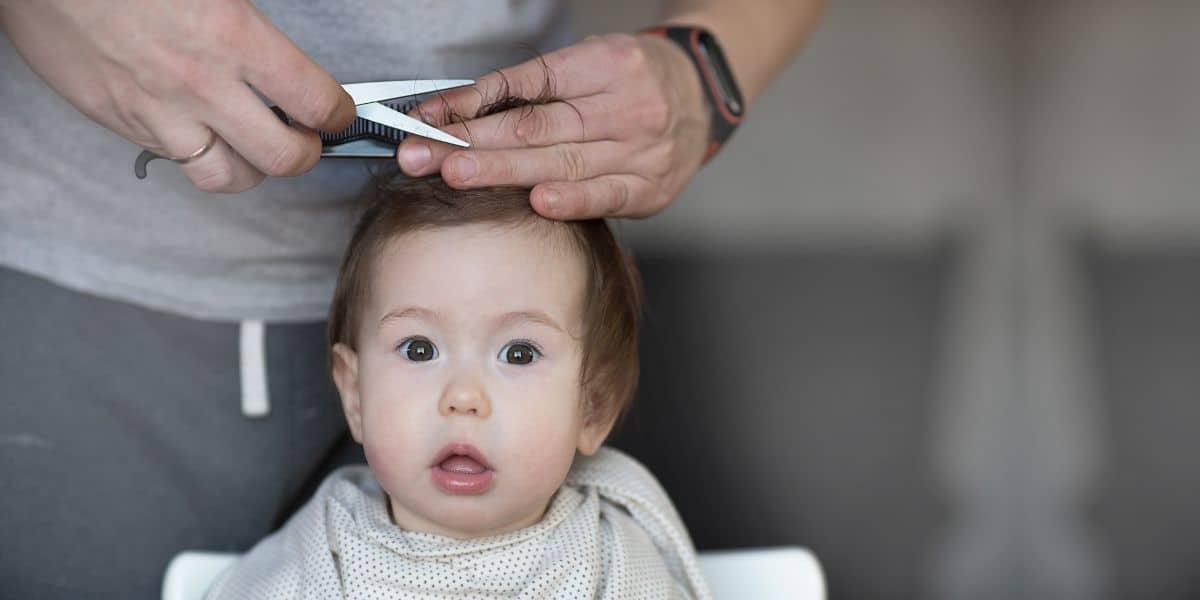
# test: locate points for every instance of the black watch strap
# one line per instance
(724, 97)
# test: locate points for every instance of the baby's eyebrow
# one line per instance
(532, 315)
(412, 312)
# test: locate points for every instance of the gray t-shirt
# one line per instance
(71, 210)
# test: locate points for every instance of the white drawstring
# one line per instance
(253, 354)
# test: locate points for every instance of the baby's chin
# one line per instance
(464, 518)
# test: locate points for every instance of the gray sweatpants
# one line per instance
(124, 439)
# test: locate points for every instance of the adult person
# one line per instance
(164, 345)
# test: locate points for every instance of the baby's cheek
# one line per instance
(391, 462)
(546, 456)
(382, 463)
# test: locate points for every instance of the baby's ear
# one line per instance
(345, 377)
(595, 427)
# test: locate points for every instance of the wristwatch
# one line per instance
(724, 97)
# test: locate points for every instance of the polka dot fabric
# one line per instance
(610, 532)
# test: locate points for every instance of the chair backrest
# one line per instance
(763, 573)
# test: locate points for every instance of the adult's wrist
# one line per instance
(716, 80)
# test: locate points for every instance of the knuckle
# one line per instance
(452, 169)
(625, 51)
(318, 106)
(508, 170)
(157, 71)
(433, 112)
(167, 78)
(661, 160)
(216, 177)
(617, 198)
(287, 159)
(533, 128)
(654, 115)
(574, 164)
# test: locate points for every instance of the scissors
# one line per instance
(380, 126)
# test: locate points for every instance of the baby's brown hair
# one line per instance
(612, 300)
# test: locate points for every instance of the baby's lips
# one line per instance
(461, 469)
(456, 450)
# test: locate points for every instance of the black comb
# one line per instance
(363, 138)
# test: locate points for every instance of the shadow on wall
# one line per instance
(787, 398)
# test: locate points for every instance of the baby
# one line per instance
(482, 354)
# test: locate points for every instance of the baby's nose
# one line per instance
(465, 398)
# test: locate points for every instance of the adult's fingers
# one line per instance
(304, 90)
(255, 133)
(621, 195)
(222, 169)
(160, 73)
(527, 167)
(575, 71)
(577, 120)
(219, 169)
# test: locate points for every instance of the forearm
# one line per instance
(760, 37)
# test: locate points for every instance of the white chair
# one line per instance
(789, 573)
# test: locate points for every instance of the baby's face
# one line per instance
(464, 389)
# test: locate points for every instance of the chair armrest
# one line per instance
(190, 574)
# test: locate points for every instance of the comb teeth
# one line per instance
(362, 128)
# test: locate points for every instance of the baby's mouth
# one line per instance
(462, 464)
(461, 469)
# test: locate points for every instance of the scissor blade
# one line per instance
(393, 118)
(377, 91)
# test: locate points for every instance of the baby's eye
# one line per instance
(418, 349)
(519, 353)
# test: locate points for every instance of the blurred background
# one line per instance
(933, 312)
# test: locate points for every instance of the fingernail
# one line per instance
(465, 168)
(551, 200)
(414, 157)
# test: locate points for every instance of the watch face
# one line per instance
(720, 69)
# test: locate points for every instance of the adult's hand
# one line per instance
(163, 73)
(629, 132)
